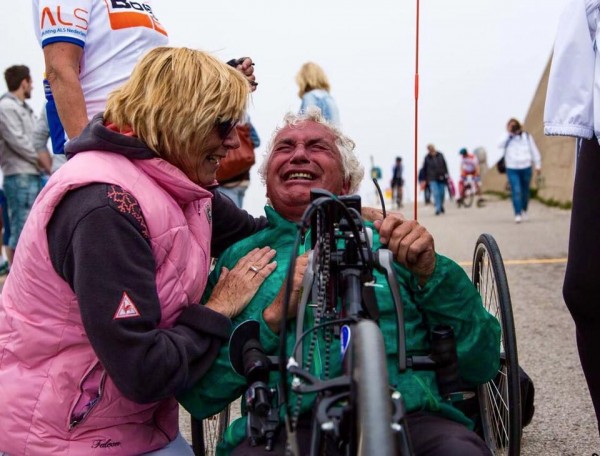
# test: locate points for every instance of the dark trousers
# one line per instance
(430, 435)
(581, 290)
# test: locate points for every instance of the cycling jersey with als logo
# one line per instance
(114, 34)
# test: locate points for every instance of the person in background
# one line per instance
(469, 166)
(5, 230)
(397, 182)
(481, 155)
(92, 57)
(424, 186)
(436, 173)
(49, 162)
(18, 157)
(100, 321)
(305, 153)
(571, 110)
(521, 156)
(314, 90)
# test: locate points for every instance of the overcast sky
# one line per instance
(479, 63)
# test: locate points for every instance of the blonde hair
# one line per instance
(311, 76)
(351, 167)
(174, 98)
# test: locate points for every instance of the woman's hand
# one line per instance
(237, 287)
(411, 244)
(272, 314)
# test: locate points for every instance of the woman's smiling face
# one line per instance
(203, 169)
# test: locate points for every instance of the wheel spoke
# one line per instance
(213, 428)
(499, 406)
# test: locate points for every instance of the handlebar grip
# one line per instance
(256, 362)
(257, 398)
(256, 371)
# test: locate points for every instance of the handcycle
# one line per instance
(338, 413)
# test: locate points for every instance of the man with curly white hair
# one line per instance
(307, 153)
(318, 131)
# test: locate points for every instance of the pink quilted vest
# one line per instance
(46, 363)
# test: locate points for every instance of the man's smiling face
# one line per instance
(304, 156)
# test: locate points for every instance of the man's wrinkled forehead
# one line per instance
(305, 131)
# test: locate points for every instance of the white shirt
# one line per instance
(520, 152)
(114, 34)
(573, 97)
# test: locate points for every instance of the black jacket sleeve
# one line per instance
(231, 224)
(99, 245)
(445, 165)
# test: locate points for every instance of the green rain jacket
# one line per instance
(448, 297)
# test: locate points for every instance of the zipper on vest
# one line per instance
(77, 420)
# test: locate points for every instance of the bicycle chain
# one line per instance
(323, 277)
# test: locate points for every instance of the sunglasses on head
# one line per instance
(225, 127)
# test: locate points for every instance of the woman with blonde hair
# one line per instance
(314, 91)
(100, 321)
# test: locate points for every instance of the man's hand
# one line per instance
(44, 161)
(372, 213)
(245, 65)
(272, 314)
(410, 243)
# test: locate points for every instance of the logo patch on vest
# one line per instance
(126, 309)
(209, 213)
(105, 443)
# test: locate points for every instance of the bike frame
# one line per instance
(339, 233)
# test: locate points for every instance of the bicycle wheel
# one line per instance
(370, 381)
(467, 199)
(499, 399)
(207, 433)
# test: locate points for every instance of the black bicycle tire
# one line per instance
(197, 437)
(370, 380)
(498, 294)
(203, 446)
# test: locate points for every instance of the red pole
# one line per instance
(416, 172)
